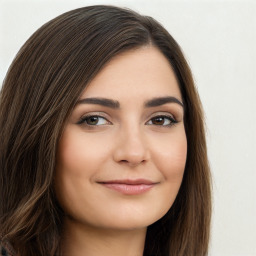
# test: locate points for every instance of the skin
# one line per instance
(129, 142)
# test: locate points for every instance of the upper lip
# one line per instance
(129, 182)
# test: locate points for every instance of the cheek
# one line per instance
(170, 159)
(170, 156)
(78, 163)
(79, 155)
(75, 166)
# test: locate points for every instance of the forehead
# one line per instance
(139, 73)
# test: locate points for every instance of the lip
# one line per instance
(129, 187)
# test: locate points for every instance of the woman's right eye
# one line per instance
(93, 120)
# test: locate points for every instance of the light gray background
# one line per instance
(218, 39)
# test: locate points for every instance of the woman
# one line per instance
(102, 141)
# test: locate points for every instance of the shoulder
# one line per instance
(6, 249)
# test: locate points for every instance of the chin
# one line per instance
(129, 220)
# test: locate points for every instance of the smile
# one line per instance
(129, 187)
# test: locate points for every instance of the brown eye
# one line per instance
(162, 121)
(158, 120)
(93, 121)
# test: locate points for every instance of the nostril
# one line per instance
(132, 163)
(124, 161)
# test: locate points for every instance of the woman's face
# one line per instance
(122, 154)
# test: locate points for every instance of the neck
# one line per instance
(79, 240)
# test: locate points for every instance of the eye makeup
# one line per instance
(96, 119)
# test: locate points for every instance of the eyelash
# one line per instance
(84, 120)
(169, 118)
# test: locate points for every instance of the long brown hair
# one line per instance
(39, 92)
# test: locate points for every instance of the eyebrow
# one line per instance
(100, 101)
(159, 101)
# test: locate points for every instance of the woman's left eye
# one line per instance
(162, 121)
(93, 120)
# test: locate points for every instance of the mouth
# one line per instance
(129, 187)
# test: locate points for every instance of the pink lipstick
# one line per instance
(129, 187)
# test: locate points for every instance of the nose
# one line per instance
(131, 148)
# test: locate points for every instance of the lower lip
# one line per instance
(129, 189)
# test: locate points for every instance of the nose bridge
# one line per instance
(131, 147)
